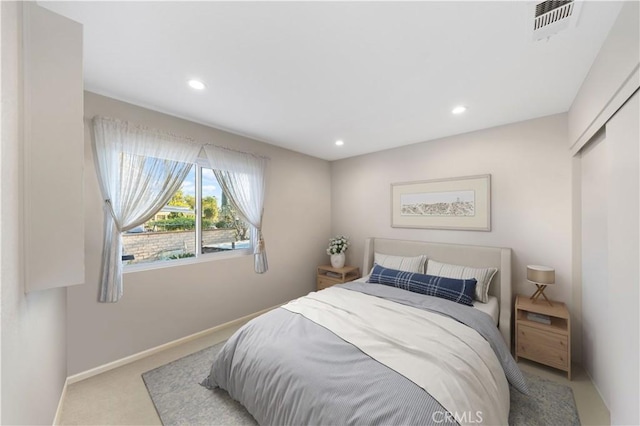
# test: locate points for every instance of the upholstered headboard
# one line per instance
(477, 256)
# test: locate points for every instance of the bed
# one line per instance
(363, 353)
(480, 256)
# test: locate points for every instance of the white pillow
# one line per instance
(482, 275)
(401, 263)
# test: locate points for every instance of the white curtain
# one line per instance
(139, 170)
(242, 177)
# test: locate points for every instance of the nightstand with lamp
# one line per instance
(543, 330)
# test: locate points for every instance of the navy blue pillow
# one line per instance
(461, 291)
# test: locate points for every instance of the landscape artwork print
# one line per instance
(462, 203)
(453, 203)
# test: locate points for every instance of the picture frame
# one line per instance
(460, 203)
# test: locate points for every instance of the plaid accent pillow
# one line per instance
(457, 290)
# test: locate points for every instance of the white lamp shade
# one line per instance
(541, 274)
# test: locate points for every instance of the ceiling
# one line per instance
(302, 75)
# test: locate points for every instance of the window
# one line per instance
(222, 227)
(197, 222)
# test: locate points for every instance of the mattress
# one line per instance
(492, 308)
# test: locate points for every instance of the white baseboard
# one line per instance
(57, 418)
(131, 358)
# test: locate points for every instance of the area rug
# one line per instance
(180, 400)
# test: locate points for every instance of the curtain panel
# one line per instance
(243, 178)
(139, 170)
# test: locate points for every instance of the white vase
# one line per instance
(337, 260)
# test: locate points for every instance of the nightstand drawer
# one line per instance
(324, 282)
(545, 347)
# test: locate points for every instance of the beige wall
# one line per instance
(530, 169)
(166, 304)
(34, 325)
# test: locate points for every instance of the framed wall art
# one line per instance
(462, 203)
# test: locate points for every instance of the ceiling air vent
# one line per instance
(553, 16)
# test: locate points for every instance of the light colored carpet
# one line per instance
(180, 400)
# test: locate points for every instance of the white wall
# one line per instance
(166, 304)
(34, 325)
(530, 169)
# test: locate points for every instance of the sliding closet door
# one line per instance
(610, 168)
(623, 136)
(595, 261)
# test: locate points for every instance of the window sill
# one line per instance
(161, 264)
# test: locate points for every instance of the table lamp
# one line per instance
(541, 276)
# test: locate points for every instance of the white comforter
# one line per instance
(449, 360)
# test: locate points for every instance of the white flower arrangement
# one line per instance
(338, 245)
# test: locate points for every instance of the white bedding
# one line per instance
(468, 376)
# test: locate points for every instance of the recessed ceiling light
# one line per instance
(339, 143)
(459, 109)
(196, 84)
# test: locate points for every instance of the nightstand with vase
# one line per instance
(337, 273)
